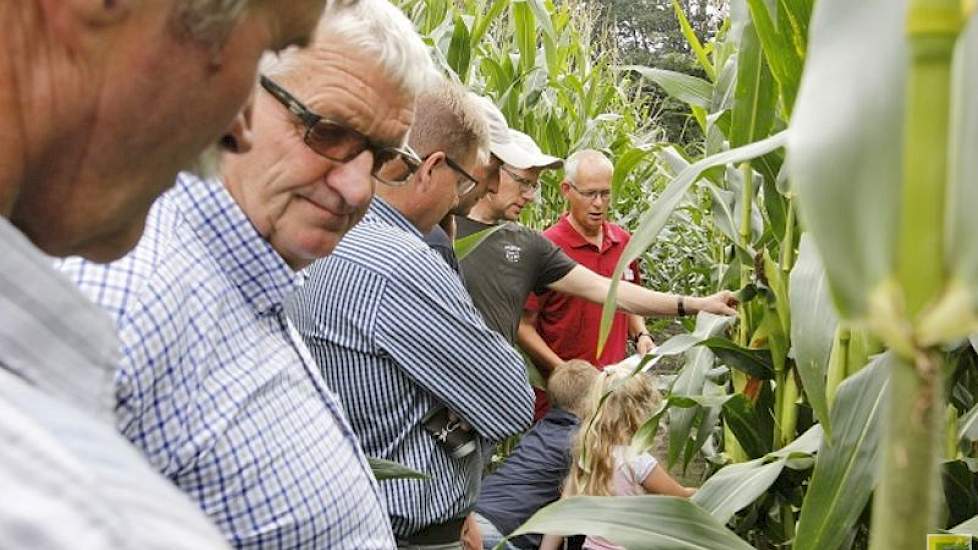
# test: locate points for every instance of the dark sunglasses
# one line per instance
(339, 143)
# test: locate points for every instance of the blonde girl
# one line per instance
(609, 466)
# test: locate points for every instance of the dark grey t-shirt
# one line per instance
(439, 241)
(502, 271)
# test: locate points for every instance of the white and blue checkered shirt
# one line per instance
(395, 334)
(218, 389)
(67, 478)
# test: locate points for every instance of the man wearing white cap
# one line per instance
(514, 261)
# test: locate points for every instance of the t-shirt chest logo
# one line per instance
(512, 253)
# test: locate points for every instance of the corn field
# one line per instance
(834, 191)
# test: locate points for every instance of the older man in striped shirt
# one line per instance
(216, 387)
(101, 103)
(398, 338)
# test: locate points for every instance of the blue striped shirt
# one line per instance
(395, 334)
(67, 478)
(218, 389)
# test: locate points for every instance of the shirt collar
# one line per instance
(574, 239)
(381, 211)
(50, 333)
(249, 261)
(562, 417)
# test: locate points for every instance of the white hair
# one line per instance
(376, 28)
(573, 162)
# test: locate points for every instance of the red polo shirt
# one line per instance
(570, 325)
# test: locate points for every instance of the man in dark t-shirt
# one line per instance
(506, 267)
(513, 261)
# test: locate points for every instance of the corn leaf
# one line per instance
(459, 50)
(526, 37)
(678, 523)
(847, 174)
(969, 527)
(384, 470)
(693, 41)
(735, 487)
(962, 254)
(483, 22)
(691, 379)
(688, 89)
(654, 219)
(744, 422)
(812, 328)
(464, 246)
(847, 464)
(779, 51)
(755, 362)
(754, 96)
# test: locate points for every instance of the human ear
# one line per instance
(425, 172)
(239, 136)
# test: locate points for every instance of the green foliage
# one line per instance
(554, 73)
(679, 524)
(874, 152)
(384, 470)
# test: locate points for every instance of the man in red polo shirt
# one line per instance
(558, 327)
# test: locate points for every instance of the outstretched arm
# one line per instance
(584, 283)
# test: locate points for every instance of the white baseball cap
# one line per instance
(498, 128)
(523, 153)
(512, 146)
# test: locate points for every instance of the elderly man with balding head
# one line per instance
(101, 103)
(426, 383)
(217, 388)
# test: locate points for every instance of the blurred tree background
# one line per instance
(646, 32)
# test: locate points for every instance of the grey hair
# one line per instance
(573, 162)
(376, 28)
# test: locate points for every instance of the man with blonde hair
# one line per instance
(216, 387)
(531, 477)
(424, 381)
(101, 103)
(441, 237)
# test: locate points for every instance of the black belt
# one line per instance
(439, 533)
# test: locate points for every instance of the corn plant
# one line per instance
(871, 179)
(833, 191)
(555, 77)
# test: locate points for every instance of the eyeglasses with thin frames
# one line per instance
(462, 187)
(340, 143)
(605, 194)
(527, 185)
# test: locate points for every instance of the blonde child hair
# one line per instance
(631, 400)
(569, 387)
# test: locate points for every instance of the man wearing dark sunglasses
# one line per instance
(425, 382)
(216, 387)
